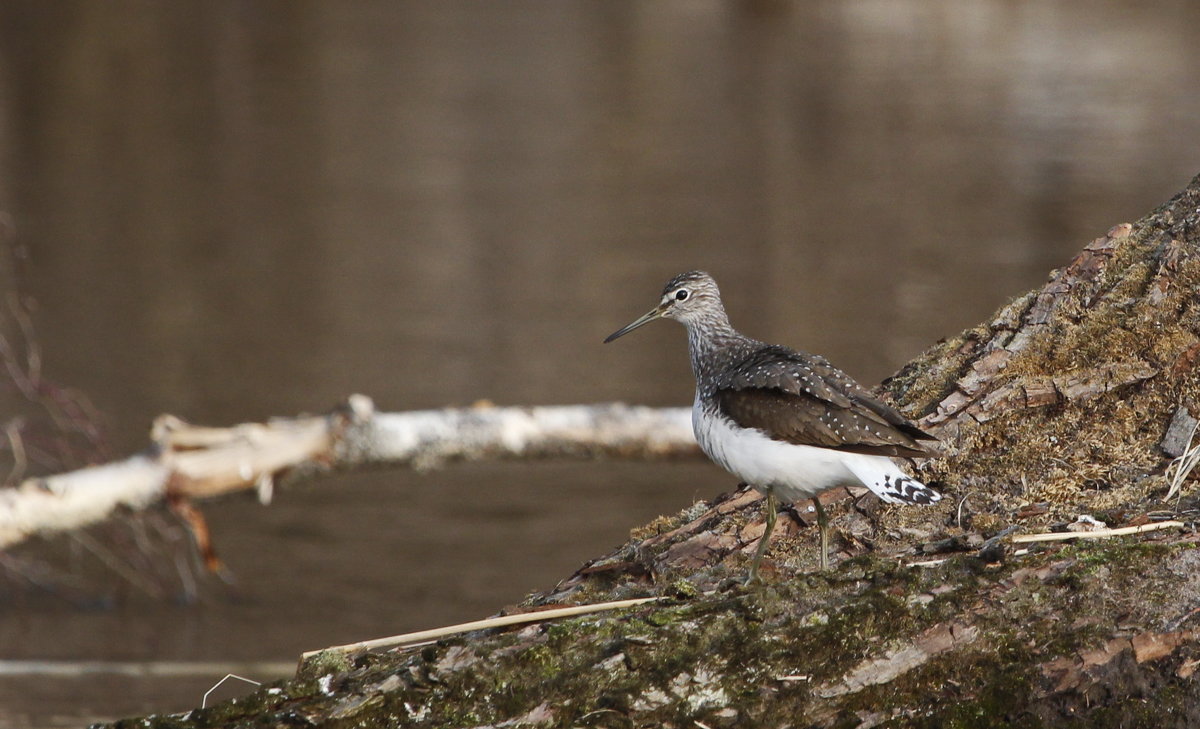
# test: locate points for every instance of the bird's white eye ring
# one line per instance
(682, 294)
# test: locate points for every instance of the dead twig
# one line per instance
(117, 565)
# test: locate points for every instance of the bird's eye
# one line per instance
(682, 294)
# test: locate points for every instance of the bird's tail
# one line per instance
(884, 477)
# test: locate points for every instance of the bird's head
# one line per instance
(688, 298)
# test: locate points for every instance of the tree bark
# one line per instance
(1054, 408)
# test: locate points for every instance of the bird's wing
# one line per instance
(807, 401)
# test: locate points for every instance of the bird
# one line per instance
(786, 422)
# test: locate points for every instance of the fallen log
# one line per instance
(193, 462)
(1055, 410)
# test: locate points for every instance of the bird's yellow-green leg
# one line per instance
(763, 541)
(823, 526)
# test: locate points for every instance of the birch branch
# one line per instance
(200, 462)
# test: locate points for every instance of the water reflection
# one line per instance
(236, 210)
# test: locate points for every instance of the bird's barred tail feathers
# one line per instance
(889, 483)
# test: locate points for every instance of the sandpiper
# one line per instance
(788, 423)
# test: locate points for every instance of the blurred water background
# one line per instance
(232, 210)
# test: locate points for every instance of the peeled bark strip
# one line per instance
(933, 642)
(189, 461)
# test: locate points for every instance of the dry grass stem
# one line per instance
(1097, 534)
(500, 622)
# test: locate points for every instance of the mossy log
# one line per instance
(1055, 408)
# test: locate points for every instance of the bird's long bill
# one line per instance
(646, 318)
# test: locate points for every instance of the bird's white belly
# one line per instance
(792, 472)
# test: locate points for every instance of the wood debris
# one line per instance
(1179, 433)
(934, 641)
